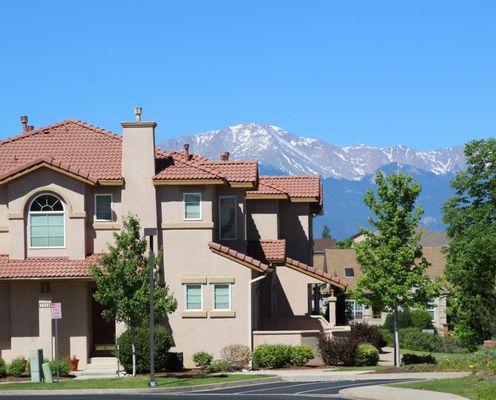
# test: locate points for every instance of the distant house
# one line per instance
(342, 263)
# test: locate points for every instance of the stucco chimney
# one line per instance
(24, 122)
(226, 156)
(138, 170)
(186, 151)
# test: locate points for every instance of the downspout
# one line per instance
(250, 321)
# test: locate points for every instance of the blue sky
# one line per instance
(420, 73)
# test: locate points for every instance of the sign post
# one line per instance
(151, 260)
(56, 309)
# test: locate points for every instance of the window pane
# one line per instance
(221, 297)
(193, 297)
(47, 230)
(192, 206)
(227, 217)
(104, 207)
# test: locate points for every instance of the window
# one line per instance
(222, 296)
(431, 306)
(353, 309)
(46, 222)
(194, 297)
(227, 217)
(192, 206)
(349, 272)
(103, 207)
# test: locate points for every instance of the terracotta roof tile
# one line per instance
(49, 267)
(308, 270)
(307, 187)
(238, 256)
(272, 251)
(73, 144)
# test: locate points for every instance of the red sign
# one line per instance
(56, 310)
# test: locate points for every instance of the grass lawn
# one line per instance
(128, 382)
(472, 387)
(437, 356)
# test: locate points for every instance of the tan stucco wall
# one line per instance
(187, 255)
(292, 293)
(262, 219)
(295, 227)
(25, 325)
(24, 189)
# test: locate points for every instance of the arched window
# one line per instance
(46, 222)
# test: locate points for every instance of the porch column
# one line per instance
(45, 324)
(331, 301)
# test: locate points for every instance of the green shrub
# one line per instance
(387, 338)
(64, 367)
(18, 367)
(202, 359)
(218, 366)
(366, 354)
(452, 344)
(415, 339)
(338, 350)
(409, 359)
(3, 368)
(300, 355)
(365, 333)
(272, 356)
(238, 356)
(163, 342)
(421, 319)
(404, 321)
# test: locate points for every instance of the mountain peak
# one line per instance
(288, 153)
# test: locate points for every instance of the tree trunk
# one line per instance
(133, 347)
(397, 360)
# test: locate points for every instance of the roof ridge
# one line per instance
(289, 176)
(179, 157)
(57, 125)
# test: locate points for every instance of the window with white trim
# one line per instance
(46, 222)
(227, 217)
(431, 307)
(222, 296)
(192, 206)
(103, 207)
(194, 297)
(354, 309)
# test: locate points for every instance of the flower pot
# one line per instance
(74, 364)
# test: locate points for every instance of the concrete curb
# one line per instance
(179, 389)
(392, 393)
(364, 376)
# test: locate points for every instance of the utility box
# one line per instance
(47, 372)
(35, 361)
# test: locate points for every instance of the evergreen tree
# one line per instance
(326, 232)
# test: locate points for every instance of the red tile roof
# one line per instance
(316, 273)
(95, 154)
(75, 145)
(241, 258)
(49, 267)
(272, 251)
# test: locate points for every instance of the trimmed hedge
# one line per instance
(421, 319)
(65, 367)
(163, 342)
(338, 350)
(281, 355)
(366, 355)
(410, 358)
(218, 366)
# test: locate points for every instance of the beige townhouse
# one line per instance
(237, 247)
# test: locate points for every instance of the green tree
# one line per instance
(391, 257)
(122, 281)
(471, 254)
(326, 232)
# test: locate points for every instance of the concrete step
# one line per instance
(103, 361)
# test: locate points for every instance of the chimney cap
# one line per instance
(24, 122)
(137, 113)
(24, 118)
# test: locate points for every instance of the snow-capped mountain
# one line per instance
(284, 151)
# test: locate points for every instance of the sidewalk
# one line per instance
(391, 393)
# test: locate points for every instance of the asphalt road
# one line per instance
(275, 391)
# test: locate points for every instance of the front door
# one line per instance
(103, 331)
